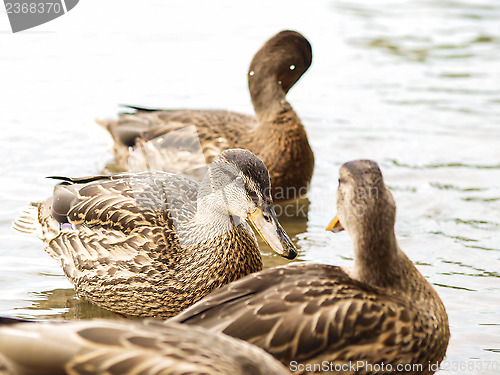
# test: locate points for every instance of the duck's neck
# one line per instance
(267, 96)
(280, 131)
(378, 259)
(278, 124)
(217, 249)
(211, 219)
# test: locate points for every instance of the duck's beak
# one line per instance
(265, 222)
(335, 225)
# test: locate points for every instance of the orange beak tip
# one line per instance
(335, 226)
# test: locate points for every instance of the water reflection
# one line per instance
(63, 304)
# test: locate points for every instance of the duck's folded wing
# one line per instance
(234, 296)
(124, 203)
(114, 347)
(114, 227)
(305, 311)
(149, 124)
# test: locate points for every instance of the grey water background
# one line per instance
(414, 85)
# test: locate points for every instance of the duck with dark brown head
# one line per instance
(275, 134)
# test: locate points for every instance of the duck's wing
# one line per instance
(115, 227)
(210, 124)
(127, 347)
(217, 130)
(126, 202)
(309, 313)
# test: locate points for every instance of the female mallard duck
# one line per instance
(153, 243)
(315, 317)
(276, 134)
(127, 347)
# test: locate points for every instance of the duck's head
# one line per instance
(365, 206)
(237, 186)
(276, 67)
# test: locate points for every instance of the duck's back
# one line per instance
(312, 313)
(126, 347)
(124, 203)
(216, 130)
(115, 237)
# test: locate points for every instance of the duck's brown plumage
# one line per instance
(153, 243)
(381, 311)
(127, 347)
(275, 134)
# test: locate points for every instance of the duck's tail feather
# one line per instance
(111, 125)
(27, 222)
(82, 180)
(6, 321)
(144, 109)
(107, 124)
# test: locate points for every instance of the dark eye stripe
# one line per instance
(254, 196)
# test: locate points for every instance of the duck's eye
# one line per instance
(292, 67)
(267, 217)
(239, 179)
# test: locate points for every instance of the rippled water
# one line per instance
(413, 85)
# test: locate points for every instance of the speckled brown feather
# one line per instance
(276, 135)
(127, 348)
(123, 251)
(312, 313)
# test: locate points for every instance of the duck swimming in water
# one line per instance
(381, 315)
(276, 134)
(153, 243)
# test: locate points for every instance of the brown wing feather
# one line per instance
(308, 312)
(217, 130)
(210, 124)
(128, 203)
(122, 233)
(126, 347)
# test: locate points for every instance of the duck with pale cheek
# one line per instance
(382, 316)
(276, 134)
(153, 243)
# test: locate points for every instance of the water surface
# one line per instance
(413, 85)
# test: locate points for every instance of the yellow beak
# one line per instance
(335, 225)
(271, 231)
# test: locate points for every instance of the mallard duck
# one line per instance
(275, 134)
(322, 318)
(153, 243)
(127, 347)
